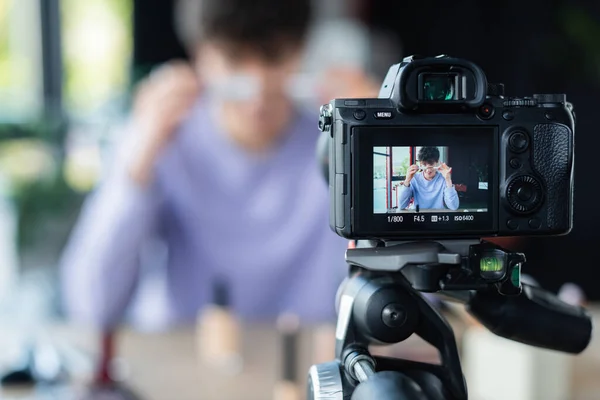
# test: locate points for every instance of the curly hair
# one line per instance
(429, 154)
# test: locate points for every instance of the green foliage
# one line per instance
(404, 166)
(40, 201)
(583, 30)
(39, 191)
(482, 171)
(98, 72)
(97, 45)
(49, 130)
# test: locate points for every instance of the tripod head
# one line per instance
(380, 303)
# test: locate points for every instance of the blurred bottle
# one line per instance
(287, 388)
(219, 333)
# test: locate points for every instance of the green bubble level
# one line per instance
(490, 264)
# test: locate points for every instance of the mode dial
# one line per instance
(550, 98)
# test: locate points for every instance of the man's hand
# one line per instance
(161, 103)
(410, 173)
(347, 83)
(446, 172)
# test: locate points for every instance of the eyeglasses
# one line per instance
(429, 168)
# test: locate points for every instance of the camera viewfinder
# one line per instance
(440, 87)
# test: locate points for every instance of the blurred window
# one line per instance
(97, 50)
(21, 86)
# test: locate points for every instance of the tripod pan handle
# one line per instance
(536, 317)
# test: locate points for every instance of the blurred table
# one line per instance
(165, 367)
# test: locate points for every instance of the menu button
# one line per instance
(383, 114)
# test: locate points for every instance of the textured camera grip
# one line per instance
(552, 160)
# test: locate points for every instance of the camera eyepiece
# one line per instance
(438, 84)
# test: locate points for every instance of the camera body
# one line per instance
(493, 165)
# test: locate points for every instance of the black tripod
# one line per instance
(380, 303)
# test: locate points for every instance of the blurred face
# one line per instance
(429, 169)
(249, 92)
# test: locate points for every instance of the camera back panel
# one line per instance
(529, 177)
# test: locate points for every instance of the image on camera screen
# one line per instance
(434, 179)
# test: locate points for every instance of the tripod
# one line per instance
(380, 303)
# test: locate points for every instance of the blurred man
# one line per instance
(220, 164)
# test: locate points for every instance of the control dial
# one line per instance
(524, 194)
(520, 102)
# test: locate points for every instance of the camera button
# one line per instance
(354, 103)
(360, 114)
(486, 111)
(508, 115)
(512, 224)
(525, 193)
(535, 223)
(549, 116)
(515, 163)
(518, 141)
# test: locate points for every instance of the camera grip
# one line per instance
(552, 144)
(536, 317)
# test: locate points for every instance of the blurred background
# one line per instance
(68, 69)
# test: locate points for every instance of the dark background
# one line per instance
(532, 47)
(464, 161)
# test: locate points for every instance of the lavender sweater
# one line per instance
(213, 212)
(431, 194)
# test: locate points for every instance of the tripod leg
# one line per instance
(434, 329)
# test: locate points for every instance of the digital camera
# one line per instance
(442, 153)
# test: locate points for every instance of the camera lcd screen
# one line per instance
(426, 179)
